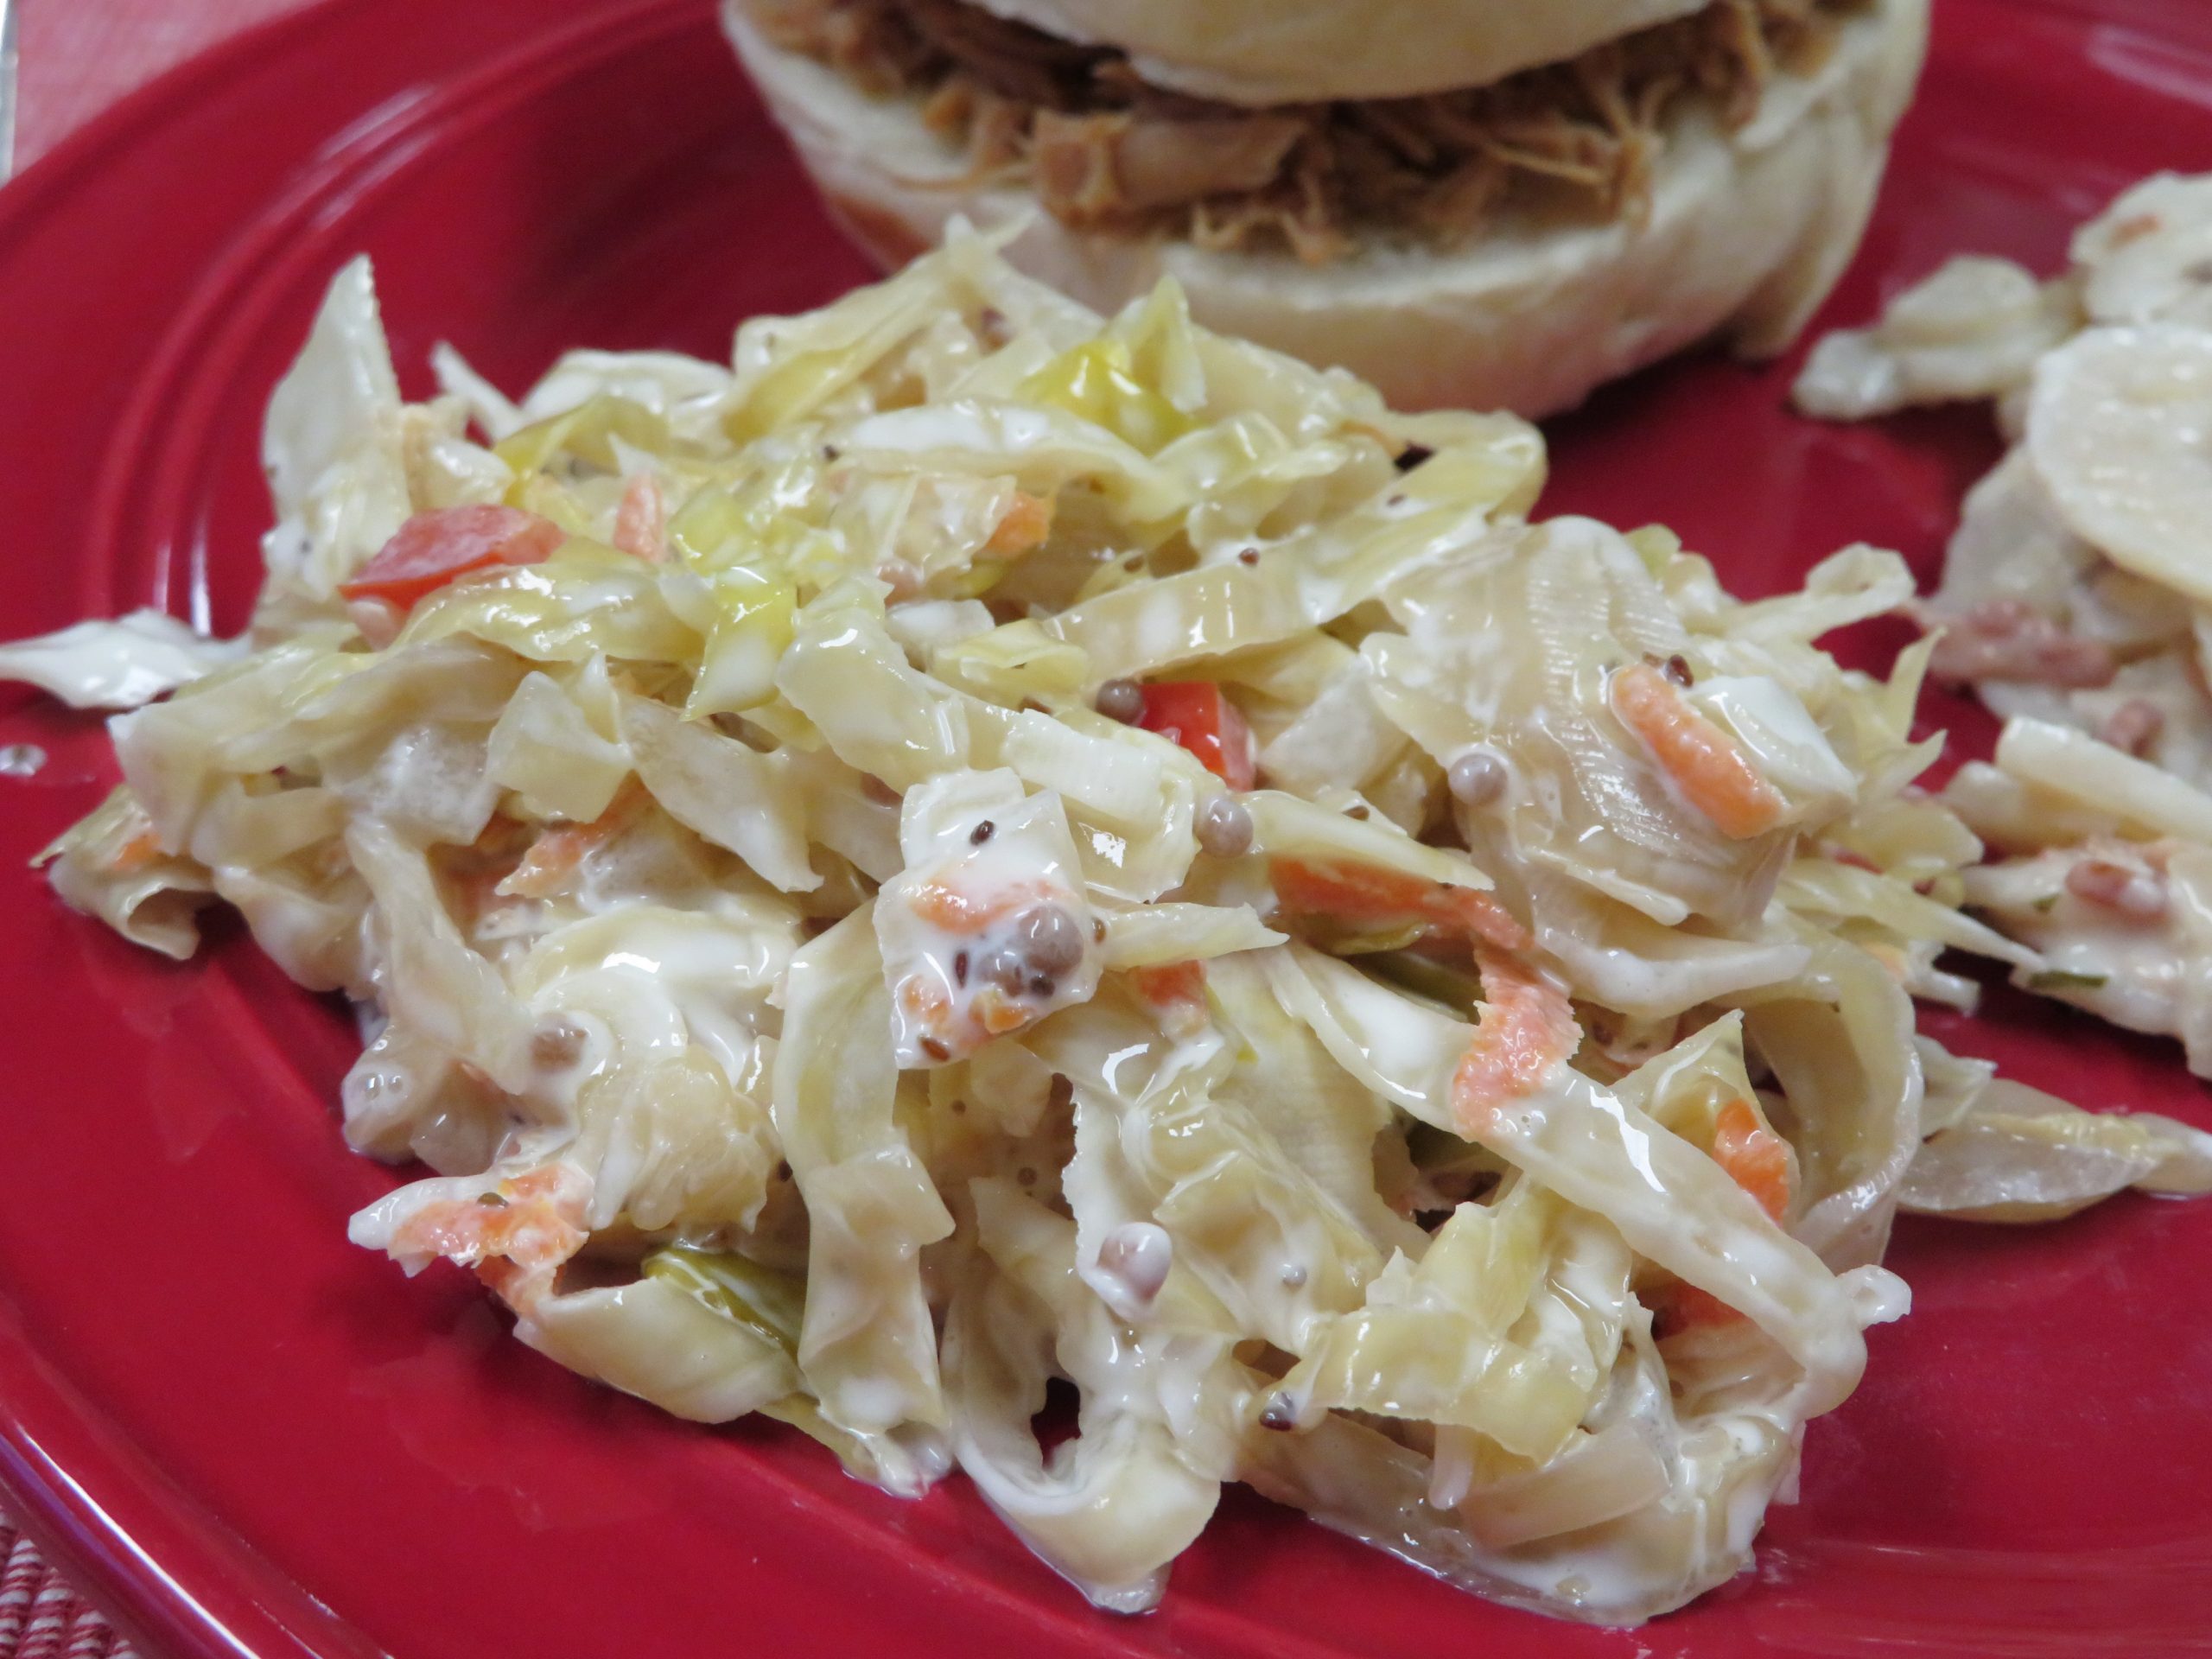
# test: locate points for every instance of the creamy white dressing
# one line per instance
(987, 928)
(1134, 1263)
(2148, 969)
(664, 979)
(862, 964)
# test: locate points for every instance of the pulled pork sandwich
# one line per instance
(1465, 201)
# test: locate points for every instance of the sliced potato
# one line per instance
(2148, 258)
(1971, 330)
(2119, 429)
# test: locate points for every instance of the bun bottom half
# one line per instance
(1747, 232)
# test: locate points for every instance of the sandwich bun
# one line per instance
(1747, 232)
(1296, 51)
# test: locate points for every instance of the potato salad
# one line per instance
(2076, 597)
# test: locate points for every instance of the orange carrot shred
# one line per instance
(1173, 982)
(1680, 1307)
(1715, 775)
(1027, 526)
(553, 858)
(641, 522)
(1526, 1025)
(535, 1225)
(136, 853)
(946, 906)
(1754, 1157)
(1365, 892)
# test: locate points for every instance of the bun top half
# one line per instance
(1257, 52)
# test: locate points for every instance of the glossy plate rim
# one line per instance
(171, 1576)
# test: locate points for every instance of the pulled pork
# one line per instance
(1103, 149)
(2010, 639)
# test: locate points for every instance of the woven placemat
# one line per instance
(40, 1617)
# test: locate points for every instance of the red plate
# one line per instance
(250, 1436)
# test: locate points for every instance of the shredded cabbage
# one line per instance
(825, 982)
(125, 663)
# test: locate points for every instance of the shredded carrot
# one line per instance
(987, 1012)
(641, 522)
(946, 1029)
(1171, 983)
(552, 859)
(516, 1235)
(998, 1014)
(1715, 775)
(136, 853)
(949, 908)
(1756, 1161)
(1754, 1156)
(476, 872)
(1483, 918)
(1027, 526)
(954, 1030)
(1365, 893)
(1680, 1307)
(946, 906)
(924, 998)
(1526, 1026)
(1176, 992)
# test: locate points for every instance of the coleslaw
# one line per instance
(980, 844)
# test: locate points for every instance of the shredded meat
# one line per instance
(871, 44)
(1094, 168)
(1104, 150)
(2007, 639)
